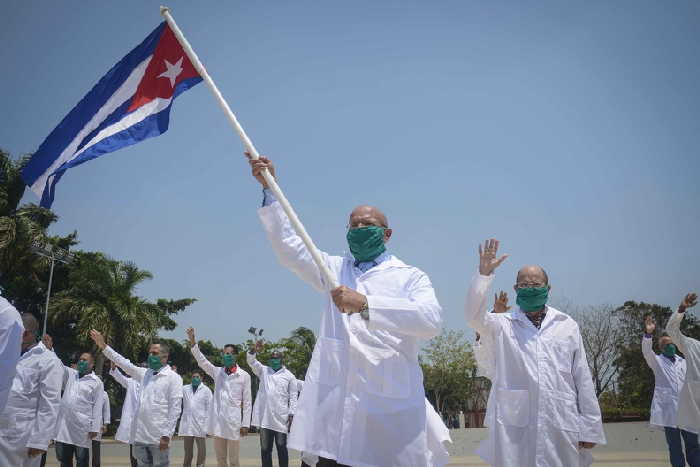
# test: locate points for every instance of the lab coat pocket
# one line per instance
(560, 353)
(389, 378)
(563, 410)
(325, 365)
(513, 406)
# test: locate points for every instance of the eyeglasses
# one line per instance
(531, 285)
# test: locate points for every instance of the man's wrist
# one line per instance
(681, 309)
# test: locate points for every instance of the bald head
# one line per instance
(363, 216)
(30, 323)
(532, 275)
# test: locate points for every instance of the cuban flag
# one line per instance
(129, 104)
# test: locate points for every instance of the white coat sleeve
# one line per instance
(174, 406)
(125, 364)
(418, 314)
(247, 403)
(49, 387)
(202, 361)
(119, 377)
(106, 410)
(292, 389)
(97, 408)
(257, 367)
(289, 247)
(648, 353)
(591, 421)
(11, 330)
(476, 307)
(483, 357)
(673, 328)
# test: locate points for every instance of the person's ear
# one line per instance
(387, 234)
(549, 287)
(515, 288)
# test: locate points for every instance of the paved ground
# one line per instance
(629, 445)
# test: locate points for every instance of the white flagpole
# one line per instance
(276, 190)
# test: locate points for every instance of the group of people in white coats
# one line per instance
(674, 407)
(362, 402)
(49, 402)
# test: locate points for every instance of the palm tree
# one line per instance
(24, 275)
(102, 295)
(298, 348)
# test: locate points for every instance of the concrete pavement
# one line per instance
(631, 444)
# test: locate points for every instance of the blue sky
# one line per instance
(568, 131)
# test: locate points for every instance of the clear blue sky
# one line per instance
(569, 132)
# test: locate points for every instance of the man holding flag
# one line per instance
(363, 402)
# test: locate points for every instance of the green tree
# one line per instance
(449, 371)
(102, 295)
(297, 350)
(23, 274)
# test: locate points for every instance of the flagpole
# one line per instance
(269, 179)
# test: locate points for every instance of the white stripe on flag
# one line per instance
(125, 91)
(146, 110)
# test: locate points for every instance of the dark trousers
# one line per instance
(675, 447)
(96, 453)
(134, 462)
(280, 439)
(65, 453)
(322, 462)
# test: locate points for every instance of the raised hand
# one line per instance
(500, 304)
(258, 346)
(47, 341)
(258, 166)
(190, 336)
(649, 325)
(689, 301)
(98, 338)
(487, 257)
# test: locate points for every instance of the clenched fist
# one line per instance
(347, 300)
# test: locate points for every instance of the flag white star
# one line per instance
(172, 71)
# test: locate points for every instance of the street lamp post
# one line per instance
(54, 254)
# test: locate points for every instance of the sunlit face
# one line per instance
(87, 358)
(365, 216)
(154, 349)
(530, 277)
(229, 351)
(664, 341)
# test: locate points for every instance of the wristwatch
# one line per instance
(364, 311)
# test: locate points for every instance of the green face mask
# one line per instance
(366, 243)
(195, 381)
(228, 360)
(531, 299)
(82, 367)
(670, 350)
(275, 363)
(154, 362)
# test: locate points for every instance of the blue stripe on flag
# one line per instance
(80, 115)
(151, 126)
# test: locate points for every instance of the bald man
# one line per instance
(28, 422)
(363, 402)
(545, 409)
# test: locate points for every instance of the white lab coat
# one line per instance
(544, 398)
(11, 330)
(363, 402)
(231, 407)
(669, 376)
(81, 408)
(159, 403)
(131, 402)
(29, 418)
(689, 397)
(106, 414)
(195, 410)
(483, 354)
(277, 396)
